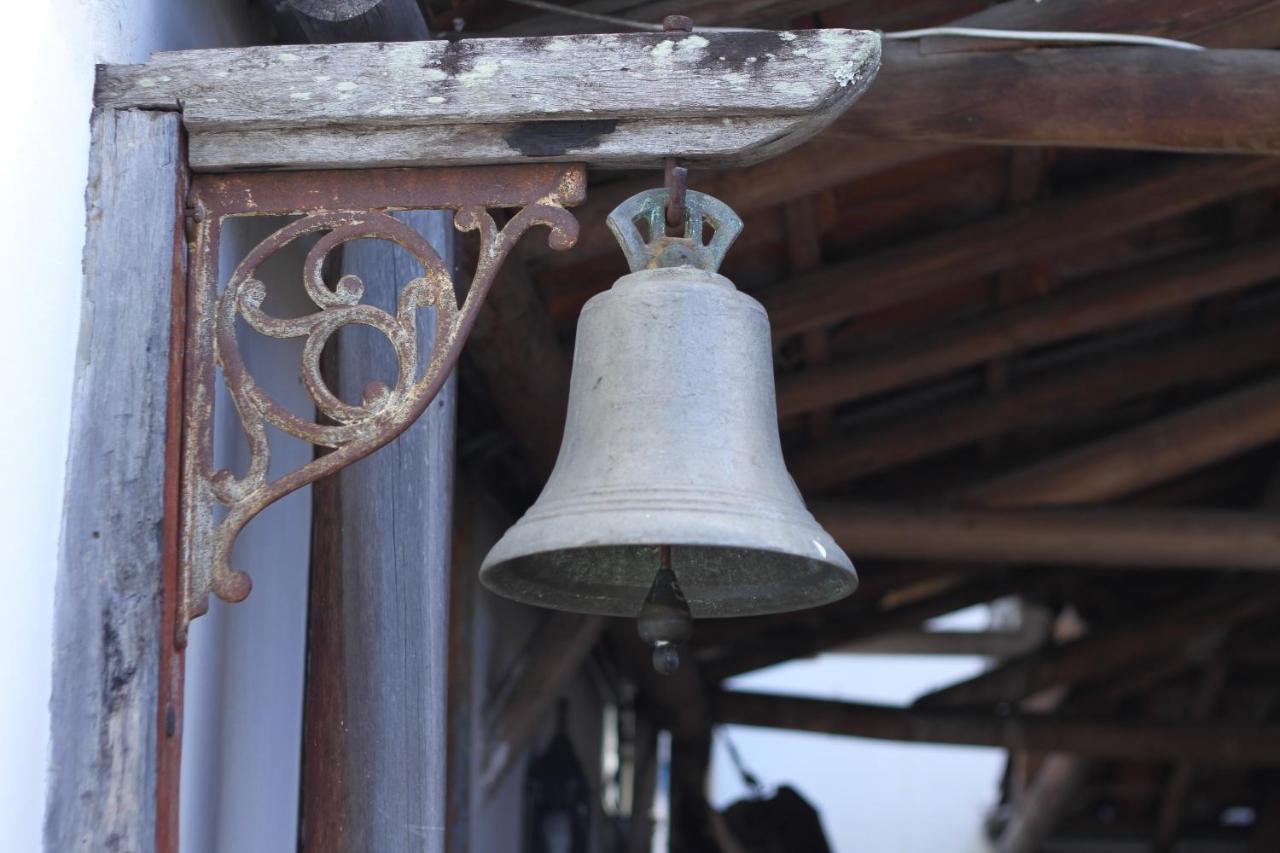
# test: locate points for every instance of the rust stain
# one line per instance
(339, 206)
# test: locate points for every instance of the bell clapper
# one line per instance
(665, 621)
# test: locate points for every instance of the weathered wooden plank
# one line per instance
(909, 270)
(730, 97)
(109, 630)
(1121, 538)
(388, 602)
(1212, 743)
(1099, 97)
(1058, 397)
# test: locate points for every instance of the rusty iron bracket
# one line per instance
(337, 206)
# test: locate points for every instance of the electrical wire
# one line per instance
(1042, 37)
(570, 12)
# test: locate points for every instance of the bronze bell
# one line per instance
(670, 498)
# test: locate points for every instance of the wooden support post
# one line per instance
(1174, 797)
(1062, 395)
(1108, 302)
(1056, 783)
(1139, 740)
(548, 662)
(386, 602)
(903, 272)
(116, 707)
(1119, 538)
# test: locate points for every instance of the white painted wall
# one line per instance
(47, 52)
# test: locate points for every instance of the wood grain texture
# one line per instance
(1112, 537)
(108, 625)
(900, 273)
(1149, 98)
(389, 615)
(1061, 396)
(627, 99)
(1151, 453)
(1108, 302)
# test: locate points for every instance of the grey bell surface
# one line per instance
(671, 440)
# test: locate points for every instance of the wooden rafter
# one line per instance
(1108, 302)
(898, 274)
(1112, 537)
(1142, 740)
(1064, 395)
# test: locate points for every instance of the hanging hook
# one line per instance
(676, 183)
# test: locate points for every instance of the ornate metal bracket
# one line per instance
(339, 206)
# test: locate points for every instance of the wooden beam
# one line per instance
(1174, 797)
(1142, 740)
(1193, 20)
(1146, 455)
(1108, 302)
(1059, 397)
(514, 345)
(900, 273)
(1060, 777)
(846, 157)
(1113, 537)
(837, 628)
(1172, 630)
(115, 716)
(728, 98)
(550, 659)
(1150, 98)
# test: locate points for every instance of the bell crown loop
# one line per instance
(663, 250)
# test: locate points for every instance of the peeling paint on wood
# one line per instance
(631, 99)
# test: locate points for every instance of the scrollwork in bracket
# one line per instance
(344, 209)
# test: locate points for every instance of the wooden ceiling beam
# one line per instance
(757, 651)
(907, 271)
(1111, 537)
(1145, 455)
(1106, 302)
(1063, 396)
(1142, 740)
(1170, 629)
(839, 155)
(1147, 98)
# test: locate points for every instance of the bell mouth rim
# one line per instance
(539, 579)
